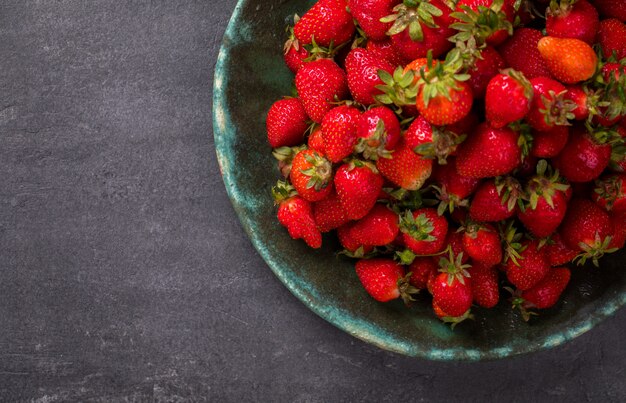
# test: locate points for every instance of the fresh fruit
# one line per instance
(489, 152)
(424, 231)
(486, 21)
(422, 269)
(384, 49)
(362, 68)
(286, 123)
(485, 287)
(451, 188)
(328, 213)
(585, 156)
(528, 268)
(452, 289)
(358, 185)
(545, 294)
(520, 53)
(482, 243)
(405, 168)
(611, 36)
(378, 228)
(319, 83)
(495, 200)
(294, 213)
(311, 175)
(569, 60)
(378, 133)
(368, 14)
(487, 64)
(339, 131)
(549, 144)
(316, 141)
(611, 8)
(558, 253)
(576, 19)
(431, 141)
(508, 98)
(549, 107)
(327, 22)
(384, 280)
(610, 192)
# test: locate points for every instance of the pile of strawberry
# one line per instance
(461, 147)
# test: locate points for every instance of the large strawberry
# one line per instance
(611, 38)
(327, 22)
(610, 192)
(487, 21)
(329, 214)
(452, 288)
(520, 53)
(368, 14)
(544, 294)
(431, 141)
(549, 107)
(339, 131)
(529, 267)
(489, 152)
(508, 98)
(569, 60)
(576, 19)
(295, 214)
(378, 228)
(485, 290)
(378, 132)
(384, 280)
(424, 231)
(549, 144)
(311, 175)
(362, 68)
(482, 243)
(405, 168)
(586, 155)
(358, 185)
(495, 200)
(319, 83)
(286, 123)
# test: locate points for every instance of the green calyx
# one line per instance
(595, 251)
(520, 303)
(560, 8)
(610, 189)
(283, 191)
(511, 242)
(557, 110)
(406, 289)
(604, 135)
(545, 184)
(285, 156)
(398, 89)
(419, 228)
(374, 146)
(511, 192)
(453, 321)
(320, 171)
(411, 14)
(448, 201)
(522, 80)
(444, 143)
(440, 78)
(454, 267)
(480, 24)
(525, 140)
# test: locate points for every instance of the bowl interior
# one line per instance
(250, 76)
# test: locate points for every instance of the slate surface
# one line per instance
(124, 272)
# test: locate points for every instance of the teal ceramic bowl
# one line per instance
(249, 76)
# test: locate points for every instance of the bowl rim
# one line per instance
(223, 128)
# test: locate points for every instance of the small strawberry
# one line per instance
(520, 53)
(368, 14)
(294, 213)
(327, 22)
(508, 98)
(550, 143)
(454, 240)
(384, 49)
(543, 295)
(451, 188)
(489, 152)
(569, 60)
(558, 253)
(487, 65)
(339, 131)
(405, 168)
(358, 185)
(329, 214)
(576, 19)
(584, 102)
(311, 175)
(378, 228)
(611, 36)
(610, 192)
(485, 290)
(587, 228)
(452, 288)
(319, 83)
(424, 231)
(487, 21)
(549, 107)
(481, 242)
(362, 68)
(378, 133)
(495, 200)
(431, 141)
(316, 140)
(422, 269)
(384, 280)
(295, 55)
(286, 123)
(528, 268)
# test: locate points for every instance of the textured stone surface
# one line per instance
(124, 273)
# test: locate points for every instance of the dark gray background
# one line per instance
(125, 275)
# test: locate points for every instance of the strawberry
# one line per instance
(295, 55)
(487, 21)
(481, 242)
(378, 133)
(358, 185)
(508, 98)
(520, 53)
(619, 234)
(484, 68)
(611, 9)
(489, 152)
(316, 141)
(378, 228)
(549, 107)
(527, 167)
(339, 128)
(547, 202)
(545, 294)
(311, 175)
(495, 200)
(328, 213)
(327, 22)
(430, 141)
(352, 247)
(294, 213)
(452, 288)
(454, 240)
(548, 144)
(529, 267)
(362, 70)
(400, 89)
(587, 228)
(424, 231)
(318, 84)
(368, 14)
(422, 269)
(569, 60)
(405, 168)
(384, 49)
(582, 100)
(285, 156)
(485, 290)
(610, 192)
(384, 280)
(286, 123)
(576, 19)
(611, 36)
(451, 188)
(557, 252)
(585, 156)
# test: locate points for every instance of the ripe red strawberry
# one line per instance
(405, 168)
(378, 228)
(488, 21)
(319, 83)
(569, 60)
(358, 185)
(558, 253)
(549, 107)
(611, 8)
(454, 241)
(546, 293)
(286, 123)
(422, 269)
(520, 53)
(351, 246)
(550, 143)
(362, 69)
(316, 141)
(610, 192)
(384, 280)
(547, 201)
(368, 14)
(495, 201)
(295, 55)
(451, 188)
(378, 132)
(611, 36)
(489, 152)
(329, 214)
(481, 242)
(339, 131)
(529, 268)
(483, 70)
(452, 288)
(294, 213)
(619, 234)
(431, 141)
(508, 98)
(327, 22)
(576, 19)
(424, 231)
(578, 95)
(485, 290)
(311, 175)
(584, 157)
(384, 49)
(587, 228)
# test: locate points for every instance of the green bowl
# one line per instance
(249, 77)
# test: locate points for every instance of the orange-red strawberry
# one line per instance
(495, 201)
(362, 68)
(487, 21)
(424, 231)
(576, 19)
(545, 294)
(484, 69)
(286, 123)
(327, 22)
(405, 168)
(557, 252)
(384, 49)
(485, 290)
(328, 213)
(351, 246)
(610, 192)
(316, 141)
(378, 132)
(585, 156)
(384, 280)
(422, 269)
(452, 288)
(294, 213)
(520, 53)
(431, 141)
(481, 242)
(489, 152)
(451, 188)
(508, 98)
(358, 185)
(529, 267)
(339, 131)
(550, 143)
(549, 107)
(311, 175)
(611, 38)
(319, 83)
(368, 14)
(569, 60)
(378, 228)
